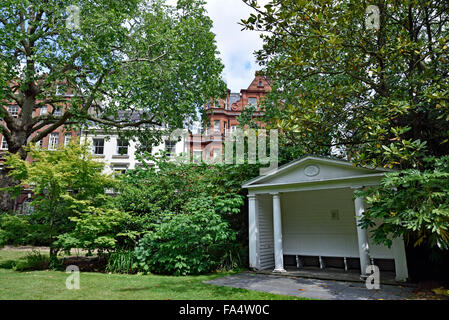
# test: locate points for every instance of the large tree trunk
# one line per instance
(6, 198)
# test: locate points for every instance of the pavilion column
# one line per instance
(277, 232)
(400, 259)
(253, 215)
(362, 235)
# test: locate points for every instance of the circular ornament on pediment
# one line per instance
(311, 170)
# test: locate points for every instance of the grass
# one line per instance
(6, 255)
(50, 285)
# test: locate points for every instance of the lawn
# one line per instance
(51, 285)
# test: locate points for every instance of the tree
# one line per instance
(413, 204)
(149, 194)
(378, 92)
(116, 59)
(64, 183)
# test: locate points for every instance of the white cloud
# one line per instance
(236, 47)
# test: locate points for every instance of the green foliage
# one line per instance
(64, 183)
(121, 262)
(34, 260)
(125, 60)
(149, 194)
(412, 203)
(380, 95)
(7, 264)
(100, 229)
(190, 243)
(191, 214)
(147, 56)
(172, 195)
(14, 230)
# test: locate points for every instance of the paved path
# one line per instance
(311, 288)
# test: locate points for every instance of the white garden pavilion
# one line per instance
(308, 208)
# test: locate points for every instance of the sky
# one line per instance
(236, 47)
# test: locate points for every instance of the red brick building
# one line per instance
(222, 118)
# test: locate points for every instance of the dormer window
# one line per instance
(260, 83)
(252, 101)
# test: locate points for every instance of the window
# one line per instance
(98, 146)
(197, 156)
(119, 169)
(144, 147)
(225, 127)
(58, 90)
(39, 143)
(44, 110)
(57, 112)
(67, 139)
(27, 207)
(122, 147)
(233, 128)
(170, 147)
(53, 141)
(217, 155)
(4, 145)
(14, 111)
(217, 126)
(260, 83)
(252, 101)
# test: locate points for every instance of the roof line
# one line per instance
(294, 162)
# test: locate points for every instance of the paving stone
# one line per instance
(312, 288)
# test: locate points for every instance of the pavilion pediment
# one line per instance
(311, 169)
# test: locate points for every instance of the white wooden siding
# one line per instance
(308, 227)
(266, 238)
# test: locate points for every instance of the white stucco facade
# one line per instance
(308, 208)
(110, 152)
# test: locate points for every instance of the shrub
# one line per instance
(186, 244)
(7, 264)
(63, 183)
(122, 262)
(168, 188)
(14, 230)
(33, 261)
(99, 229)
(412, 203)
(168, 204)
